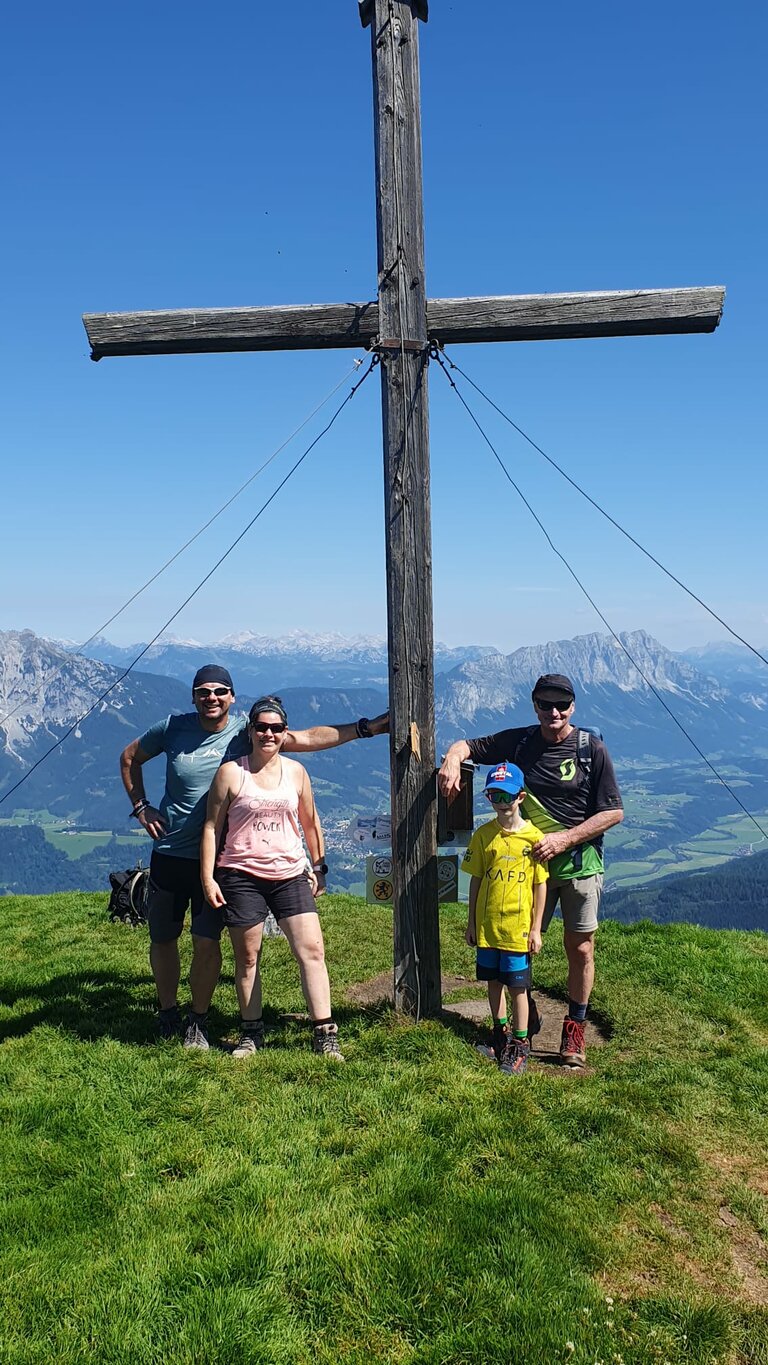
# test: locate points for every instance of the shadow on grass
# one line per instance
(95, 1005)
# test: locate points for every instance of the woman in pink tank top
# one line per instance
(258, 809)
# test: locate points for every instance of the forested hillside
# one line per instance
(732, 896)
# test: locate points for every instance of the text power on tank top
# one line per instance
(263, 831)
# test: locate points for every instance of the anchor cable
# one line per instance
(194, 591)
(602, 510)
(593, 603)
(196, 536)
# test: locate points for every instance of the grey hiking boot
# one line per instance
(169, 1023)
(251, 1041)
(196, 1033)
(325, 1042)
(499, 1041)
(514, 1060)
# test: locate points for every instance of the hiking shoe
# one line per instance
(514, 1059)
(500, 1037)
(534, 1018)
(572, 1050)
(325, 1042)
(196, 1035)
(251, 1041)
(169, 1023)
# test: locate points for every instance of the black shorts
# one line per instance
(174, 883)
(250, 899)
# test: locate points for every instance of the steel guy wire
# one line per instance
(593, 603)
(195, 590)
(600, 509)
(356, 365)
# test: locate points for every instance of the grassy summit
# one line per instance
(410, 1206)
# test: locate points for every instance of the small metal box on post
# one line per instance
(456, 817)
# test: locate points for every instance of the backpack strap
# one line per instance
(522, 744)
(584, 751)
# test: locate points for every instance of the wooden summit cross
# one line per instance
(399, 326)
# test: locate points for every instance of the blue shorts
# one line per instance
(512, 969)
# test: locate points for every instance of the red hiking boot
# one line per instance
(572, 1049)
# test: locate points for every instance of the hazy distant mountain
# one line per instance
(481, 696)
(733, 667)
(52, 687)
(44, 690)
(259, 663)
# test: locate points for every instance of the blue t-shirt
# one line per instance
(193, 757)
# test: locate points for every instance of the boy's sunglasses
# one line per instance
(202, 692)
(262, 728)
(500, 798)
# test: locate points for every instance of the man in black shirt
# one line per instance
(572, 796)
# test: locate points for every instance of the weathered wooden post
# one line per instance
(403, 352)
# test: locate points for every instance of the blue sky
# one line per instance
(174, 155)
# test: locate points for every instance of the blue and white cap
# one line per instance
(507, 777)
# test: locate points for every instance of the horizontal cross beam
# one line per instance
(522, 317)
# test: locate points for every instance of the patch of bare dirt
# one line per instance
(475, 1011)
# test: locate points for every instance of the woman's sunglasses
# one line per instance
(262, 728)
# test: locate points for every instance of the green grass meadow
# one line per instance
(413, 1206)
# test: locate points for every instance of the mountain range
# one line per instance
(297, 659)
(46, 688)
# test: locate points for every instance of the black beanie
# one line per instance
(212, 673)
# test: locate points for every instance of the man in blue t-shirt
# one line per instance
(195, 745)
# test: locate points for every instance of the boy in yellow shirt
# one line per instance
(506, 904)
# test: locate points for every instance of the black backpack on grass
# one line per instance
(128, 902)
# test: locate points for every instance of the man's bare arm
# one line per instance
(560, 840)
(331, 736)
(449, 776)
(132, 759)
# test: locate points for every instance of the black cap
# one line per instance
(557, 682)
(212, 673)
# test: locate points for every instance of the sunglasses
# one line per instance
(262, 728)
(552, 705)
(202, 692)
(500, 798)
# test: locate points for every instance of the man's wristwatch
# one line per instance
(321, 867)
(363, 728)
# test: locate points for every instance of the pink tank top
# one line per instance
(263, 831)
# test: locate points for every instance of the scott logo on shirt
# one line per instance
(567, 770)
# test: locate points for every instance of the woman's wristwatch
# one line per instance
(140, 806)
(363, 728)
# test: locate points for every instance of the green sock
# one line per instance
(521, 1034)
(502, 1021)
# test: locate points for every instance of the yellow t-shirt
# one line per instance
(502, 860)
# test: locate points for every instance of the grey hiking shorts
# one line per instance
(579, 902)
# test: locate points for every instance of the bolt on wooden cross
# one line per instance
(400, 325)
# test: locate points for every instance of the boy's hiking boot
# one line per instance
(196, 1032)
(534, 1019)
(251, 1040)
(572, 1049)
(325, 1042)
(514, 1059)
(169, 1023)
(500, 1037)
